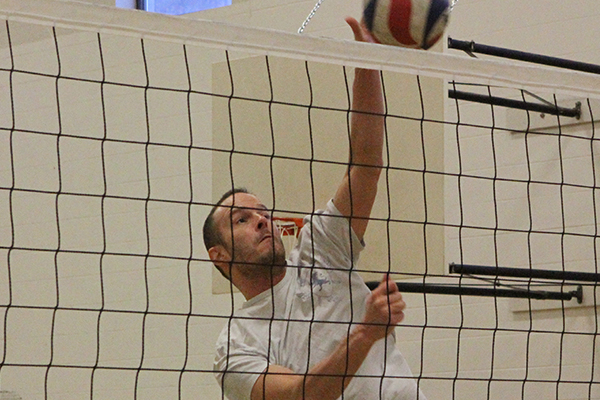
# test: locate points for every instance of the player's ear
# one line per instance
(218, 254)
(220, 257)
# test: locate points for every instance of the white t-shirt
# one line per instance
(303, 318)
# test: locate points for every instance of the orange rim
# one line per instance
(289, 226)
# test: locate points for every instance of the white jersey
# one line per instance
(306, 315)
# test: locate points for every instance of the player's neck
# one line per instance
(251, 288)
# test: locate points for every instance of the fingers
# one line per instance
(394, 300)
(390, 283)
(390, 307)
(387, 285)
(356, 28)
(386, 301)
(361, 34)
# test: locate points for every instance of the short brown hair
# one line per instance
(212, 236)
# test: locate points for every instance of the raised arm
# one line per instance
(328, 379)
(354, 198)
(356, 194)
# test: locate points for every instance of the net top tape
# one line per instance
(184, 30)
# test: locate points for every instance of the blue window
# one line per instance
(178, 7)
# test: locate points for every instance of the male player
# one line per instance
(310, 328)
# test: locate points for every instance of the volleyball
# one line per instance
(407, 23)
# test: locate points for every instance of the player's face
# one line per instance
(248, 232)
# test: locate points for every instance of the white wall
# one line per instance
(560, 29)
(555, 28)
(35, 162)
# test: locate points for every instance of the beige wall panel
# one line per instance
(293, 156)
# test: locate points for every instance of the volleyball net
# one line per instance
(119, 130)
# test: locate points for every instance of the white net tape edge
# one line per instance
(81, 16)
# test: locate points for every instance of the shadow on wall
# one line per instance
(8, 395)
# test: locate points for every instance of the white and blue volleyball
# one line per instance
(416, 24)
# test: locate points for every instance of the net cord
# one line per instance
(106, 19)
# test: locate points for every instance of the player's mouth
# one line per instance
(266, 237)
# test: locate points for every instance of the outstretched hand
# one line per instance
(361, 33)
(384, 309)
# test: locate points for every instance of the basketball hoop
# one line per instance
(289, 229)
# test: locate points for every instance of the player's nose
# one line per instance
(261, 222)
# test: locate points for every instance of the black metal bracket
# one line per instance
(466, 269)
(473, 271)
(471, 48)
(528, 273)
(466, 290)
(574, 112)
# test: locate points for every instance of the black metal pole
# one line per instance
(521, 105)
(411, 287)
(524, 273)
(472, 47)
